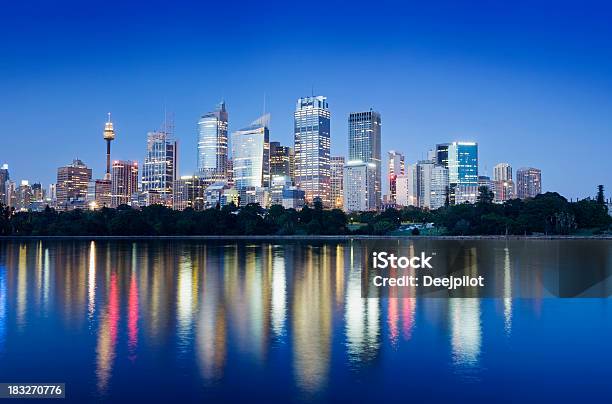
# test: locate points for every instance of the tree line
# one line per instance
(548, 213)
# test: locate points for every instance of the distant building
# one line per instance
(279, 184)
(24, 196)
(281, 160)
(251, 154)
(441, 153)
(189, 192)
(312, 148)
(213, 144)
(364, 144)
(38, 193)
(439, 187)
(160, 168)
(337, 182)
(10, 194)
(124, 182)
(503, 186)
(485, 181)
(4, 177)
(462, 166)
(359, 186)
(407, 190)
(528, 182)
(424, 171)
(466, 193)
(71, 186)
(293, 198)
(230, 172)
(396, 168)
(259, 195)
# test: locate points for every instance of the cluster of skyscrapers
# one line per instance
(261, 171)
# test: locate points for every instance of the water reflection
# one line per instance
(231, 309)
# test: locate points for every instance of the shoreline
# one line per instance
(304, 237)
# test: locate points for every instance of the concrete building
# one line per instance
(528, 182)
(359, 186)
(337, 181)
(365, 144)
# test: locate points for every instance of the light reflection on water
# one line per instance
(289, 317)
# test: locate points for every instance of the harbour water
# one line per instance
(220, 320)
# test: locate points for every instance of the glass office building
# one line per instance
(364, 143)
(251, 154)
(462, 165)
(312, 148)
(212, 144)
(160, 164)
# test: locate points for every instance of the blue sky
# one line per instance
(530, 81)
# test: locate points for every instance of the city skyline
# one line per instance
(531, 88)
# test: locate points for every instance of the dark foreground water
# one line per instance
(212, 321)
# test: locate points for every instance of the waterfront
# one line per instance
(208, 320)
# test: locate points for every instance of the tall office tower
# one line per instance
(407, 191)
(24, 196)
(109, 136)
(442, 154)
(528, 182)
(212, 145)
(71, 186)
(281, 160)
(160, 167)
(251, 154)
(359, 186)
(424, 171)
(462, 166)
(364, 143)
(312, 148)
(38, 193)
(396, 168)
(189, 192)
(337, 181)
(503, 186)
(124, 182)
(10, 193)
(438, 187)
(4, 177)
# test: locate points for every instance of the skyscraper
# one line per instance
(528, 182)
(160, 167)
(281, 160)
(462, 165)
(4, 177)
(424, 170)
(212, 144)
(71, 186)
(396, 168)
(364, 143)
(407, 190)
(124, 182)
(441, 153)
(251, 154)
(503, 186)
(337, 181)
(312, 148)
(439, 187)
(359, 186)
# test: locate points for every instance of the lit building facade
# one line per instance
(312, 148)
(503, 186)
(364, 143)
(337, 181)
(528, 182)
(4, 178)
(124, 182)
(251, 155)
(160, 168)
(439, 187)
(71, 185)
(407, 190)
(213, 144)
(396, 168)
(462, 166)
(359, 186)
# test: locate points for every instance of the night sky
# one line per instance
(530, 81)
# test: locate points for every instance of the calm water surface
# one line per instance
(196, 321)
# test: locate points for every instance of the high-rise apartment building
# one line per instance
(364, 143)
(213, 144)
(281, 160)
(359, 186)
(424, 170)
(312, 148)
(439, 187)
(528, 182)
(71, 186)
(24, 196)
(160, 167)
(251, 154)
(503, 186)
(396, 168)
(124, 182)
(407, 190)
(337, 182)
